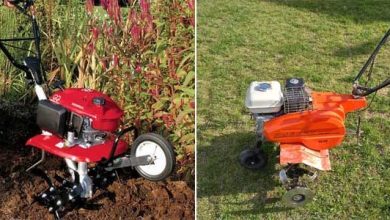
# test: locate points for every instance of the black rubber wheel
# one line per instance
(253, 159)
(161, 150)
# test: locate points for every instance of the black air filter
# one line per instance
(52, 117)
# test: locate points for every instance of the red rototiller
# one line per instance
(305, 124)
(82, 126)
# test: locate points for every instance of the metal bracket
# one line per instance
(291, 176)
(130, 161)
(37, 163)
(283, 177)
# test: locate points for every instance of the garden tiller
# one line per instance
(82, 126)
(305, 124)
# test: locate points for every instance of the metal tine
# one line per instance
(43, 175)
(59, 178)
(57, 215)
(106, 194)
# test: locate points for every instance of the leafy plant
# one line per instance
(147, 60)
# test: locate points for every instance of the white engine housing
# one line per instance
(264, 97)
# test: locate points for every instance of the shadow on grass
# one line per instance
(360, 11)
(365, 48)
(261, 209)
(220, 175)
(359, 49)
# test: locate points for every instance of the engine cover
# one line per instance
(320, 128)
(264, 97)
(101, 109)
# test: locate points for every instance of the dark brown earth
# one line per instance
(135, 197)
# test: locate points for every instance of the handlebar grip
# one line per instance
(363, 91)
(14, 2)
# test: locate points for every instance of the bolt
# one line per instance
(44, 195)
(51, 209)
(51, 189)
(59, 203)
(105, 180)
(113, 174)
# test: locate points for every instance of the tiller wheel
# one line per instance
(297, 197)
(253, 159)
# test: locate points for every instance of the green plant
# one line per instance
(144, 55)
(13, 25)
(64, 27)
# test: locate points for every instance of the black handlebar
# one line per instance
(364, 91)
(31, 70)
(12, 59)
(14, 2)
(21, 5)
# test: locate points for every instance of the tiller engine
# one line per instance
(305, 124)
(82, 126)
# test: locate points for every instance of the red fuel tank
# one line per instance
(100, 108)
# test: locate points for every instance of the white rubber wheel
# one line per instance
(161, 152)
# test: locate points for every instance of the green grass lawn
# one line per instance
(326, 43)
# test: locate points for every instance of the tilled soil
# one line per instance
(135, 197)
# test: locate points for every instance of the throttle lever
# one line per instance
(58, 84)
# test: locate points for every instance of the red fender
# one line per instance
(52, 144)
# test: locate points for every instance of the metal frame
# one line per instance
(38, 162)
(118, 137)
(116, 162)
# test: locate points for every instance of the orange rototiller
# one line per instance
(305, 124)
